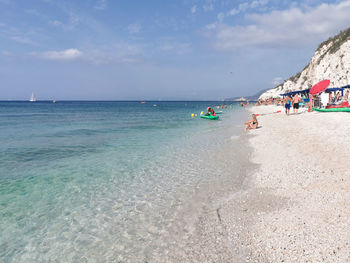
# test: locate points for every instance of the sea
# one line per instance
(112, 181)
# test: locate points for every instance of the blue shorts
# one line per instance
(287, 106)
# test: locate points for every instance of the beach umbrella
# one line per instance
(319, 87)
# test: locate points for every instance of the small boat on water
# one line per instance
(209, 117)
(32, 98)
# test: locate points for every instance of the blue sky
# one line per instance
(163, 49)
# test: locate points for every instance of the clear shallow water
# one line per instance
(109, 181)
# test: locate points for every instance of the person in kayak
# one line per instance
(210, 112)
(252, 124)
(287, 104)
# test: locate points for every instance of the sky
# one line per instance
(158, 49)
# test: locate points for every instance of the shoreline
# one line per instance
(303, 186)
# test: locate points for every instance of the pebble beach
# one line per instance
(293, 204)
(300, 189)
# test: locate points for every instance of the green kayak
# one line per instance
(210, 117)
(345, 109)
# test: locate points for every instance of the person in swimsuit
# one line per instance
(338, 97)
(287, 104)
(330, 99)
(346, 96)
(252, 124)
(210, 112)
(296, 100)
(311, 102)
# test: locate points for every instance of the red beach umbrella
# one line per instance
(319, 87)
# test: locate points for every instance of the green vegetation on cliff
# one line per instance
(337, 41)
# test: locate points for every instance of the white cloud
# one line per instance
(194, 9)
(22, 39)
(294, 27)
(244, 6)
(68, 54)
(208, 7)
(71, 24)
(101, 5)
(211, 26)
(134, 28)
(6, 53)
(277, 80)
(221, 17)
(56, 23)
(233, 12)
(254, 4)
(175, 47)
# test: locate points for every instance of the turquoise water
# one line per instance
(107, 181)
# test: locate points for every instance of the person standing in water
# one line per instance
(287, 104)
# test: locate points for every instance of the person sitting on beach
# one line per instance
(252, 124)
(287, 104)
(330, 99)
(296, 100)
(338, 97)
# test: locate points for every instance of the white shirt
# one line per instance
(324, 98)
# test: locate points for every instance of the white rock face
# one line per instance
(323, 65)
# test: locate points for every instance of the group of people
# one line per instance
(223, 106)
(325, 99)
(244, 104)
(328, 98)
(292, 102)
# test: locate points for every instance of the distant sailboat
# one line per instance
(32, 98)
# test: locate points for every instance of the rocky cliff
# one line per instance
(330, 61)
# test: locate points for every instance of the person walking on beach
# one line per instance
(296, 100)
(311, 102)
(287, 104)
(252, 124)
